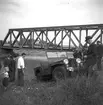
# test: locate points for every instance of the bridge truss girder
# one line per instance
(29, 37)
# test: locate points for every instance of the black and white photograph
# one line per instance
(51, 52)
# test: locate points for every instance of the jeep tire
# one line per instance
(59, 73)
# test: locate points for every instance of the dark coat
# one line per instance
(100, 50)
(7, 62)
(91, 54)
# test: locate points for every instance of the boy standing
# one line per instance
(20, 69)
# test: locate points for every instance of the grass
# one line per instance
(80, 91)
(73, 91)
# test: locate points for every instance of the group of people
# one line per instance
(14, 70)
(91, 54)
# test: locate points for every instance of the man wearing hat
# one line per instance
(90, 55)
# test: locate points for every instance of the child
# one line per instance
(5, 80)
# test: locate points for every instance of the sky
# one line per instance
(39, 13)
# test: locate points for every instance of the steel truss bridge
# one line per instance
(52, 37)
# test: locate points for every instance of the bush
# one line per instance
(79, 91)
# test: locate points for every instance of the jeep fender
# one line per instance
(56, 65)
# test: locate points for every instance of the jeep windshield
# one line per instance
(58, 55)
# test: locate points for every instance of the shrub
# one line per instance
(79, 91)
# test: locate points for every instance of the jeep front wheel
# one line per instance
(59, 73)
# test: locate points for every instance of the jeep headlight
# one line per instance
(70, 68)
(66, 61)
(78, 60)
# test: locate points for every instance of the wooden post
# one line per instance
(55, 37)
(62, 40)
(86, 36)
(21, 38)
(10, 38)
(32, 39)
(42, 37)
(69, 40)
(46, 46)
(86, 32)
(80, 37)
(42, 44)
(101, 36)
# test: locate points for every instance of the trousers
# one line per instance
(88, 65)
(20, 81)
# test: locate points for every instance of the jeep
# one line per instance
(57, 65)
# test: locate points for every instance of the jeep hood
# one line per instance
(58, 56)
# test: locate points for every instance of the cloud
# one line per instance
(9, 6)
(9, 2)
(98, 2)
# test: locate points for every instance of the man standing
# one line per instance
(20, 69)
(99, 54)
(13, 69)
(90, 55)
